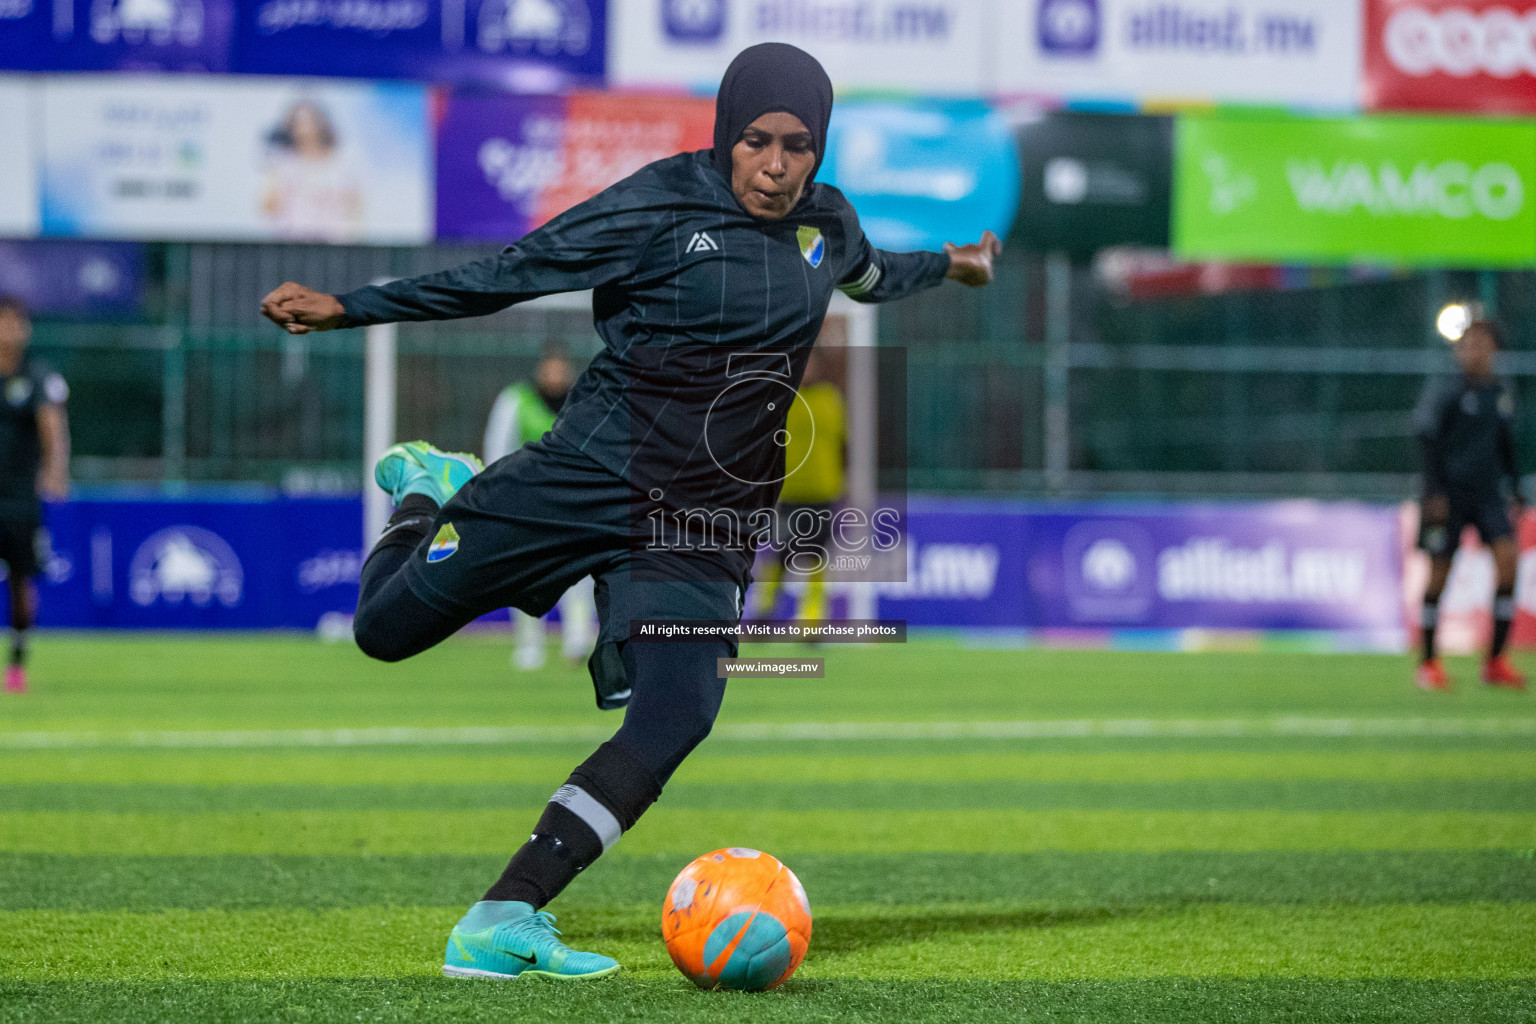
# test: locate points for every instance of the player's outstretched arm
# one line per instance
(971, 265)
(875, 275)
(299, 310)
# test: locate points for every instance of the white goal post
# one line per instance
(379, 403)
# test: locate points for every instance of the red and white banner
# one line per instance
(1477, 55)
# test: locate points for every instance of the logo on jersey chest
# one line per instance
(444, 544)
(18, 390)
(702, 242)
(812, 246)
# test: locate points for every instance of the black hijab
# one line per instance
(766, 79)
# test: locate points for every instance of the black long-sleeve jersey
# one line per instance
(1464, 428)
(707, 315)
(22, 393)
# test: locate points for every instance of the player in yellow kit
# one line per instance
(816, 455)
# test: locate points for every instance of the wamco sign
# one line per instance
(1452, 189)
(1426, 190)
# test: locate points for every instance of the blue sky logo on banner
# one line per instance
(116, 35)
(534, 45)
(186, 563)
(922, 173)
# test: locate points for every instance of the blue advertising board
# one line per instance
(924, 172)
(201, 564)
(117, 35)
(525, 45)
(285, 562)
(1283, 565)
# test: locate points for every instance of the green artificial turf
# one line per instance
(171, 848)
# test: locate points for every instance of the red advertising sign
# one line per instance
(1451, 55)
(611, 136)
(508, 162)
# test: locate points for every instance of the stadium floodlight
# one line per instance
(1454, 320)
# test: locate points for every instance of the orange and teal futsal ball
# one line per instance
(738, 919)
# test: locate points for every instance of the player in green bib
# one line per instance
(524, 412)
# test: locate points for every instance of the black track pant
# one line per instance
(522, 532)
(675, 697)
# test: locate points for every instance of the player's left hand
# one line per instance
(299, 310)
(972, 264)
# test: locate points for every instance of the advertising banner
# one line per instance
(139, 158)
(116, 35)
(918, 46)
(74, 277)
(1094, 180)
(1475, 55)
(19, 102)
(530, 45)
(286, 562)
(1397, 189)
(208, 564)
(920, 173)
(1298, 565)
(924, 172)
(1288, 52)
(506, 164)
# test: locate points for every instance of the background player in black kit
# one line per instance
(711, 275)
(34, 463)
(1470, 479)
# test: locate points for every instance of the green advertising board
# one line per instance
(1420, 190)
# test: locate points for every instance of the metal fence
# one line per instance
(1044, 383)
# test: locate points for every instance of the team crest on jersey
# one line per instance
(812, 246)
(444, 544)
(18, 390)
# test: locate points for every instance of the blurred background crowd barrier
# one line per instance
(1230, 226)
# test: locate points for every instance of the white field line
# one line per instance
(1077, 728)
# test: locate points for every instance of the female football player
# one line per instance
(711, 273)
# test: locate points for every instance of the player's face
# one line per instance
(771, 164)
(553, 377)
(1475, 352)
(15, 332)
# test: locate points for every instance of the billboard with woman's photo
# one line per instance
(272, 159)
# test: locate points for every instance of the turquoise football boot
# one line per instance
(512, 940)
(416, 467)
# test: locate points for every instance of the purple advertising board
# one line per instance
(1287, 565)
(496, 155)
(524, 45)
(74, 277)
(117, 35)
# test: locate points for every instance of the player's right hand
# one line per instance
(299, 310)
(971, 265)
